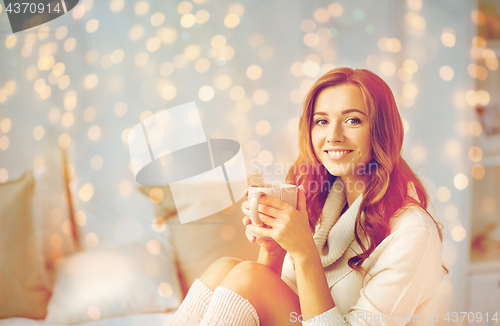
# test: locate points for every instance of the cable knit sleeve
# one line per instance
(405, 275)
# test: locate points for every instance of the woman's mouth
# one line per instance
(337, 155)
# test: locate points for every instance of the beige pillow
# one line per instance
(110, 282)
(22, 289)
(51, 214)
(199, 243)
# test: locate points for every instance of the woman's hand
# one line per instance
(289, 226)
(269, 245)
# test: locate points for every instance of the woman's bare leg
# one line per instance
(219, 269)
(265, 290)
(273, 300)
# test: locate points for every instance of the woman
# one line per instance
(360, 249)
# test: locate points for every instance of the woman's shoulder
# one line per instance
(413, 217)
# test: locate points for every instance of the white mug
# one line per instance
(284, 192)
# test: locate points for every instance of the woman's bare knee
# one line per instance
(246, 278)
(216, 272)
(243, 275)
(266, 291)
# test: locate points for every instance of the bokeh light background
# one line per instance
(82, 81)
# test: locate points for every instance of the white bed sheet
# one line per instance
(157, 319)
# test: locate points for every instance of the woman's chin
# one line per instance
(338, 170)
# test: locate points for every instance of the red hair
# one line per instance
(388, 192)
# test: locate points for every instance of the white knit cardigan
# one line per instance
(403, 272)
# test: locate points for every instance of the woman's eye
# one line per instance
(353, 121)
(321, 122)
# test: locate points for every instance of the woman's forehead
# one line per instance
(340, 98)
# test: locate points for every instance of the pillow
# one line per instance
(22, 288)
(111, 282)
(199, 243)
(51, 214)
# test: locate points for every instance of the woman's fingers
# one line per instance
(267, 220)
(245, 208)
(260, 230)
(266, 208)
(250, 237)
(269, 214)
(246, 220)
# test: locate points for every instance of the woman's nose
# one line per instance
(335, 134)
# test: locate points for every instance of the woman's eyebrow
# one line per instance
(343, 112)
(352, 110)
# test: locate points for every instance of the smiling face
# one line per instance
(340, 131)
